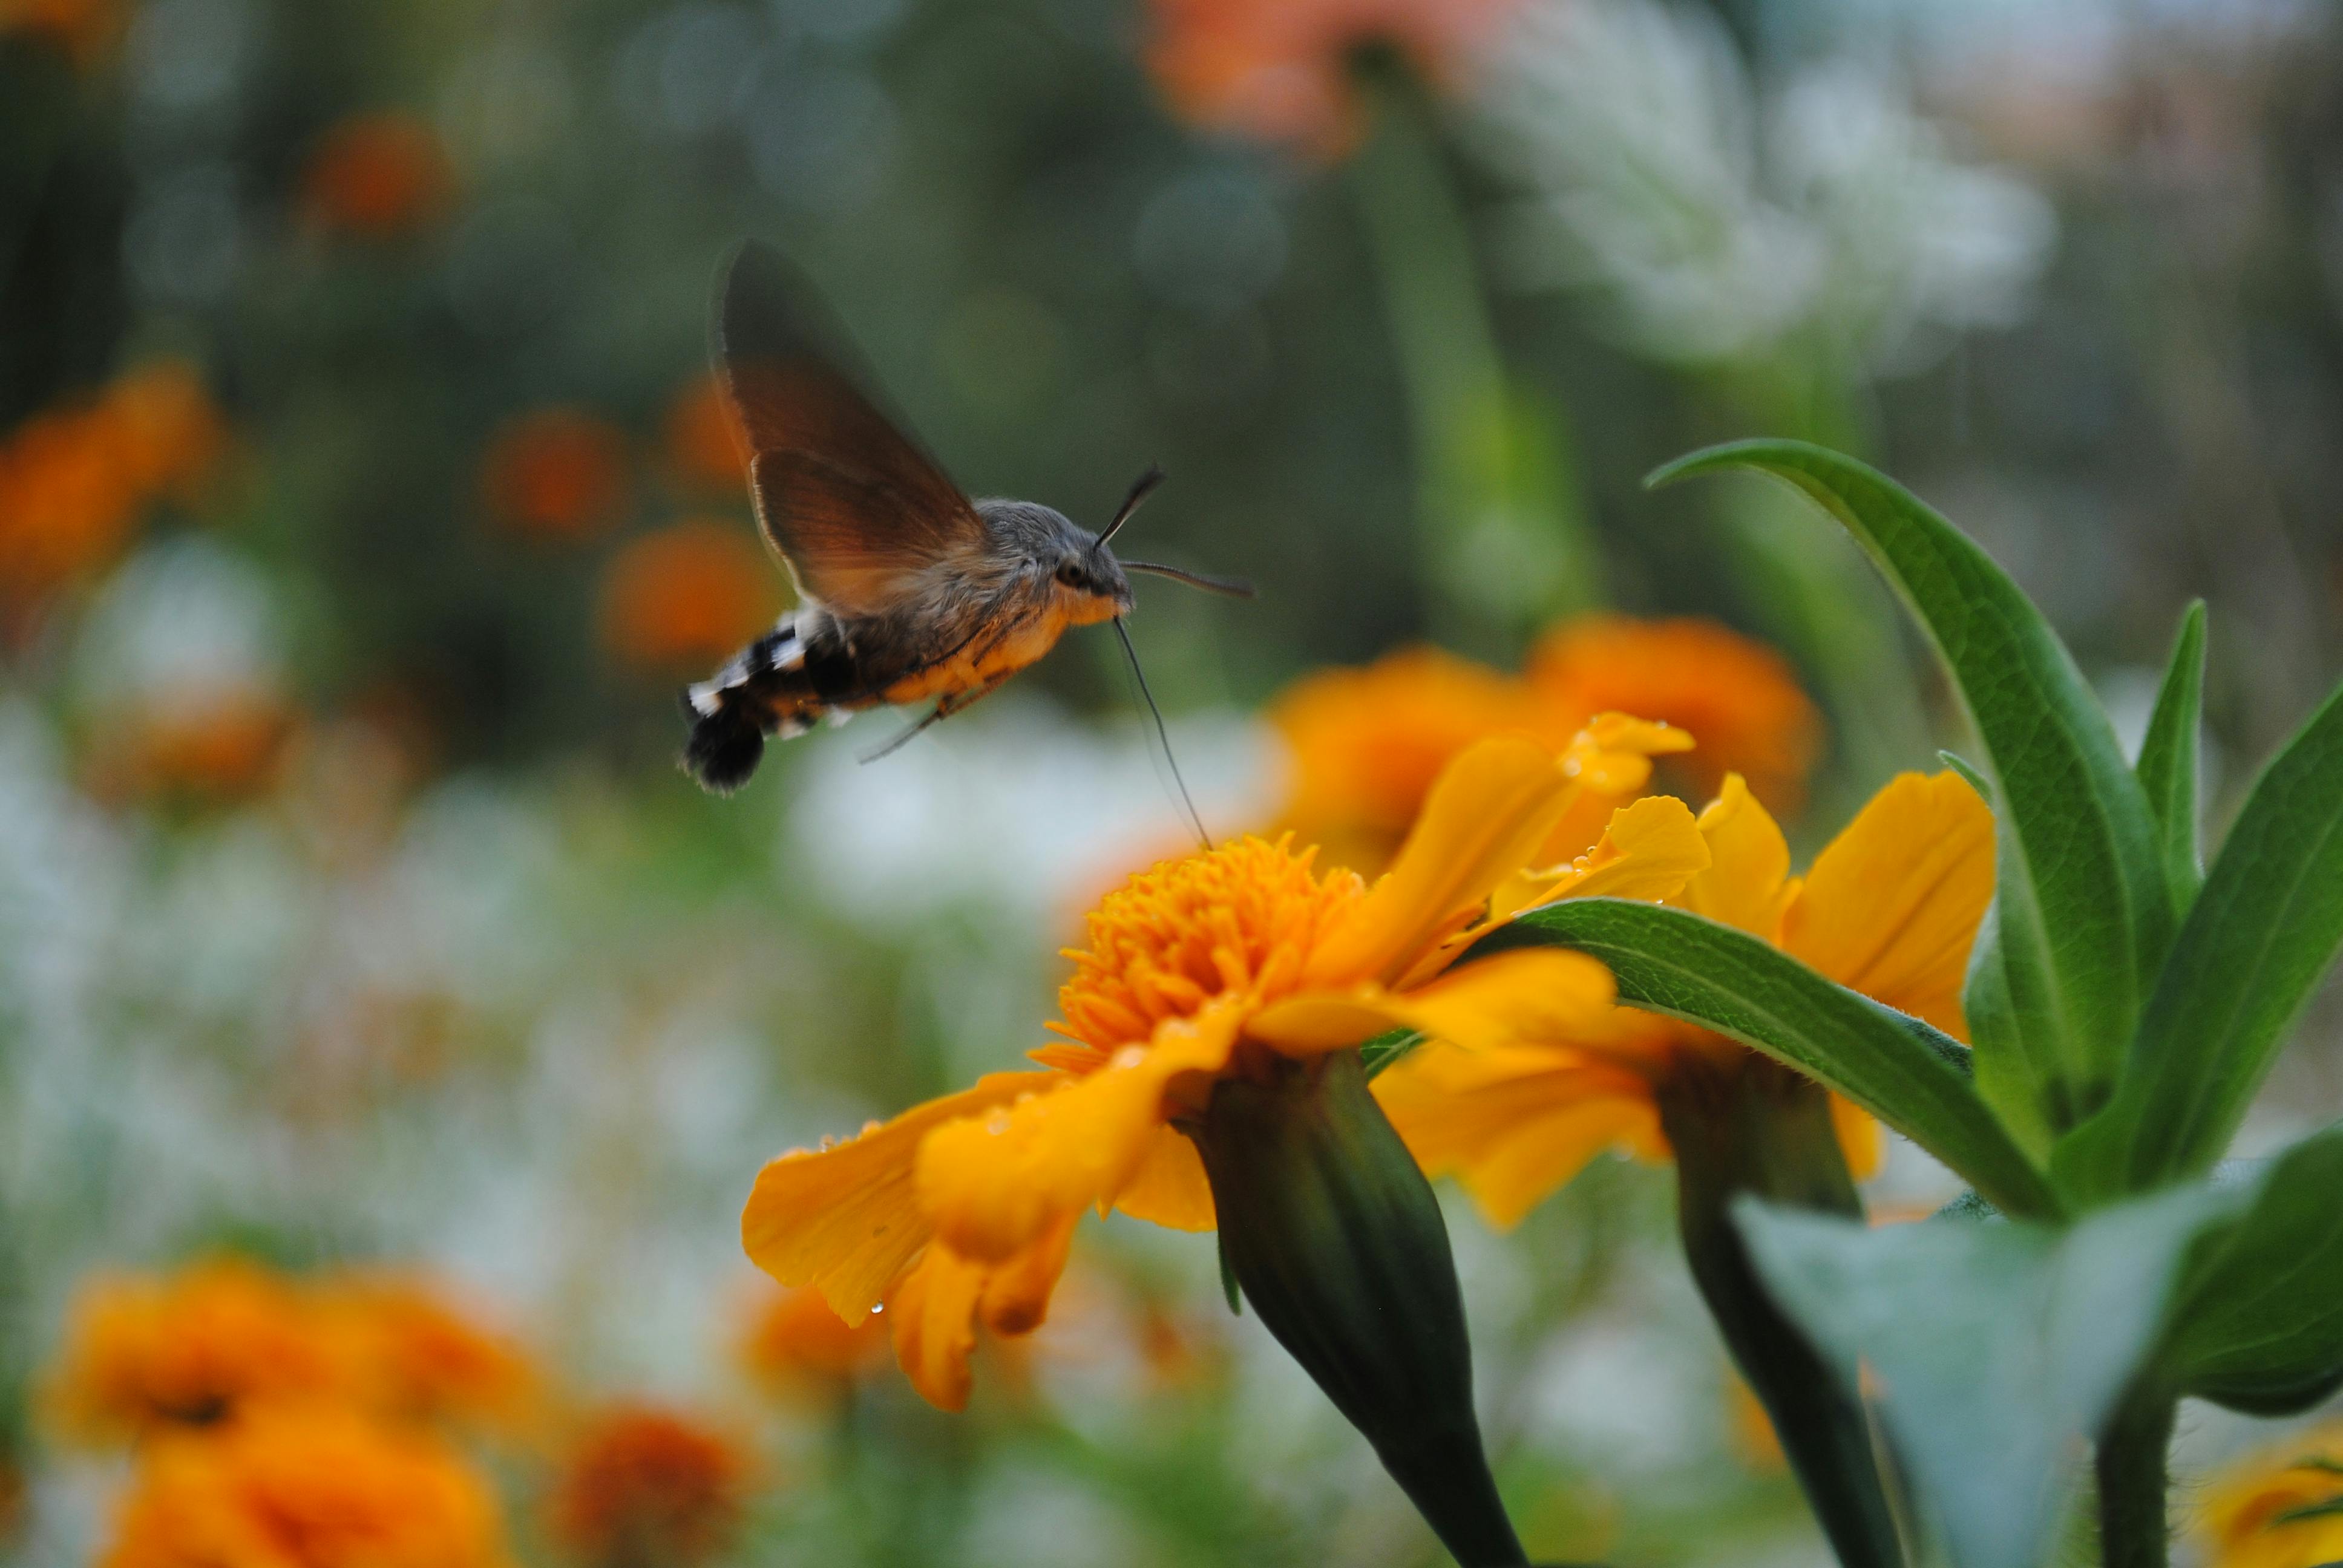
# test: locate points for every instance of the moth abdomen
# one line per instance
(725, 748)
(781, 685)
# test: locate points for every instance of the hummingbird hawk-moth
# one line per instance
(907, 590)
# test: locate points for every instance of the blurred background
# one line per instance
(364, 501)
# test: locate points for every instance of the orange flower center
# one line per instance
(1238, 919)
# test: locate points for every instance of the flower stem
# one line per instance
(2133, 1532)
(1742, 1125)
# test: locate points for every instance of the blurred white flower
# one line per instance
(183, 623)
(1018, 808)
(1720, 221)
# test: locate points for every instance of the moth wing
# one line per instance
(850, 503)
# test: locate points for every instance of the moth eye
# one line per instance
(1070, 575)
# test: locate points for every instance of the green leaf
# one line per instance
(1907, 1074)
(2167, 768)
(2256, 942)
(1998, 1347)
(2259, 1321)
(1387, 1049)
(2082, 914)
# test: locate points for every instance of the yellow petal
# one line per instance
(1747, 880)
(845, 1220)
(1649, 852)
(1534, 993)
(1514, 1124)
(1861, 1139)
(1168, 1188)
(991, 1184)
(1319, 1021)
(1484, 818)
(1016, 1295)
(1613, 754)
(1610, 759)
(1892, 906)
(933, 1311)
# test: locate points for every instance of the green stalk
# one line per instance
(1742, 1125)
(2134, 1529)
(1501, 529)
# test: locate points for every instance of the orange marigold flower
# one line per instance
(2281, 1507)
(555, 475)
(1740, 696)
(1366, 744)
(649, 1488)
(795, 1343)
(1890, 908)
(702, 446)
(145, 1354)
(306, 1487)
(961, 1210)
(422, 1358)
(1279, 70)
(376, 176)
(75, 482)
(688, 597)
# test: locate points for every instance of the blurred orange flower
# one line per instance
(143, 1354)
(419, 1358)
(86, 29)
(647, 1488)
(687, 598)
(77, 481)
(2281, 1507)
(306, 1487)
(1279, 70)
(555, 475)
(1367, 742)
(1741, 698)
(701, 446)
(796, 1345)
(1889, 908)
(215, 746)
(376, 176)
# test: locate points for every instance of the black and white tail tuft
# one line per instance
(726, 744)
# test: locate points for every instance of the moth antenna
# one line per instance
(1233, 587)
(1139, 490)
(1196, 818)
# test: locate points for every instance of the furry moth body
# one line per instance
(907, 590)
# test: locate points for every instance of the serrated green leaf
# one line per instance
(1910, 1075)
(2083, 916)
(1998, 1347)
(2258, 1321)
(2259, 937)
(2167, 768)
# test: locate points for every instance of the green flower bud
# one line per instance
(1337, 1241)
